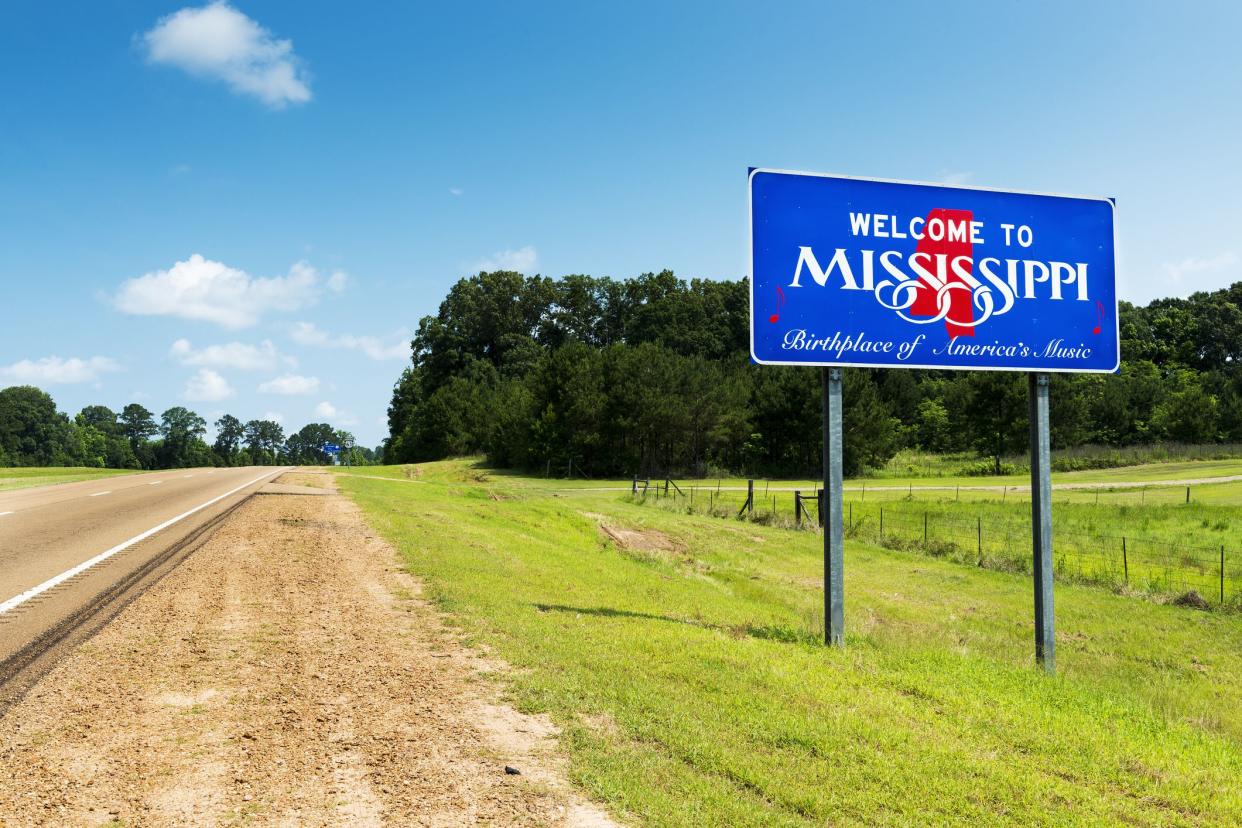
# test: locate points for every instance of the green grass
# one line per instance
(24, 477)
(692, 690)
(1148, 540)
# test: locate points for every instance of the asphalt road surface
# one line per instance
(72, 554)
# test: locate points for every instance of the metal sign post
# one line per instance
(834, 534)
(877, 273)
(1041, 522)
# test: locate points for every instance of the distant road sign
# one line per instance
(868, 272)
(331, 448)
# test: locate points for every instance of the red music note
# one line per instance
(1099, 310)
(780, 300)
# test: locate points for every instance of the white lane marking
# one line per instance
(2, 514)
(99, 494)
(187, 475)
(155, 482)
(18, 600)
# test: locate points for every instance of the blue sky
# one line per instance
(334, 168)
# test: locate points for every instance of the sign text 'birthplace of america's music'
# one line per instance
(866, 272)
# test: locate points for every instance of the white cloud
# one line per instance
(290, 385)
(338, 281)
(522, 260)
(274, 416)
(217, 41)
(1178, 271)
(456, 191)
(238, 355)
(199, 288)
(207, 386)
(306, 333)
(329, 411)
(54, 370)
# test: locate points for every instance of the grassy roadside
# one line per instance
(680, 657)
(25, 477)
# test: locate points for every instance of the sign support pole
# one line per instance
(1041, 522)
(834, 535)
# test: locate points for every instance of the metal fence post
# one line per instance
(1125, 560)
(1222, 574)
(798, 508)
(750, 497)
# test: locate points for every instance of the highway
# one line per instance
(71, 555)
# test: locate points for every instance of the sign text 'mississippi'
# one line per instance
(896, 276)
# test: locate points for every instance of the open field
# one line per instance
(1127, 477)
(1147, 539)
(911, 462)
(680, 655)
(24, 477)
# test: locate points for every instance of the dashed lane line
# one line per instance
(50, 583)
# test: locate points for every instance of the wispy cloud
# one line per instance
(207, 386)
(290, 385)
(217, 41)
(522, 260)
(335, 415)
(398, 347)
(956, 179)
(54, 370)
(456, 191)
(200, 288)
(1178, 271)
(238, 355)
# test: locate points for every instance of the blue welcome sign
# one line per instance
(869, 272)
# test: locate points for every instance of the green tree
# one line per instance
(994, 413)
(182, 433)
(264, 440)
(932, 426)
(32, 431)
(229, 435)
(101, 418)
(1189, 414)
(138, 426)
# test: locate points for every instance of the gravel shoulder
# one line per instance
(287, 673)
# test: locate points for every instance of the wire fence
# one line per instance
(1194, 572)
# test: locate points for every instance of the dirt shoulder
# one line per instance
(287, 673)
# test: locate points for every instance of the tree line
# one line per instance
(651, 376)
(34, 433)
